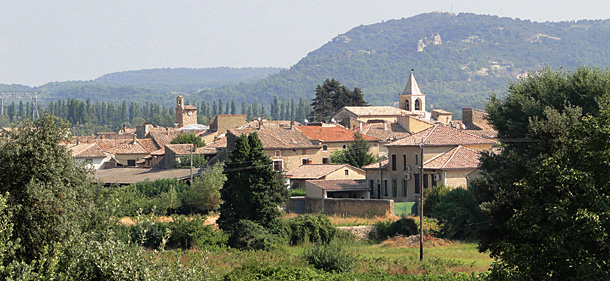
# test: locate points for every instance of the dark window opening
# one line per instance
(417, 184)
(393, 162)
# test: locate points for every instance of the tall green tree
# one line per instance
(188, 138)
(253, 190)
(331, 96)
(356, 154)
(205, 190)
(47, 190)
(547, 192)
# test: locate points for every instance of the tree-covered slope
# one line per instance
(459, 60)
(156, 85)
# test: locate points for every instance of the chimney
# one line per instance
(135, 139)
(385, 126)
(124, 128)
(260, 124)
(360, 126)
(77, 141)
(102, 136)
(291, 124)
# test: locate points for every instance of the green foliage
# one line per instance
(181, 232)
(317, 229)
(188, 138)
(204, 192)
(249, 235)
(547, 195)
(356, 154)
(403, 226)
(162, 197)
(185, 161)
(297, 192)
(331, 96)
(433, 196)
(47, 190)
(330, 257)
(253, 190)
(459, 214)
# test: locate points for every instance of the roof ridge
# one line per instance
(430, 133)
(452, 155)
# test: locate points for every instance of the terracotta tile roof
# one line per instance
(108, 144)
(143, 146)
(190, 107)
(114, 135)
(278, 138)
(340, 185)
(86, 150)
(457, 158)
(316, 171)
(179, 149)
(270, 124)
(441, 135)
(375, 110)
(133, 175)
(331, 134)
(163, 137)
(220, 142)
(384, 165)
(385, 131)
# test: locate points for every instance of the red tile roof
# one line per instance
(340, 185)
(457, 158)
(385, 131)
(87, 150)
(278, 138)
(441, 135)
(143, 146)
(316, 171)
(331, 134)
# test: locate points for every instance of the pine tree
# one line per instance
(253, 190)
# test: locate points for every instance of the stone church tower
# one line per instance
(412, 99)
(185, 114)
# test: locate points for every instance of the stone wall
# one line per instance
(352, 207)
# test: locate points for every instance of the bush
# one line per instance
(311, 228)
(162, 196)
(459, 214)
(330, 257)
(385, 229)
(433, 196)
(249, 235)
(181, 233)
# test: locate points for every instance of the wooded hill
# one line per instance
(459, 60)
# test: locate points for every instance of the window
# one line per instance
(325, 160)
(325, 148)
(131, 163)
(278, 153)
(304, 152)
(344, 146)
(407, 107)
(417, 185)
(346, 172)
(372, 187)
(404, 162)
(278, 165)
(385, 187)
(425, 181)
(306, 161)
(89, 161)
(434, 177)
(404, 188)
(416, 159)
(393, 162)
(417, 104)
(394, 188)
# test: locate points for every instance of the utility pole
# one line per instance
(421, 144)
(194, 146)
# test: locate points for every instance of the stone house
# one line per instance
(450, 158)
(303, 173)
(91, 154)
(333, 138)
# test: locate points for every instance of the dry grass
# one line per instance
(413, 241)
(210, 220)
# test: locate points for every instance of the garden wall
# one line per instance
(352, 207)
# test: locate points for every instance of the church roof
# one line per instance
(375, 110)
(411, 88)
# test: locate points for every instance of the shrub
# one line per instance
(311, 228)
(433, 196)
(459, 213)
(385, 229)
(249, 235)
(330, 257)
(181, 233)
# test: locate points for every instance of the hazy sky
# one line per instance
(44, 41)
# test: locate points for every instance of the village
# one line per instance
(301, 152)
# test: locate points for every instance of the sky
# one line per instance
(61, 40)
